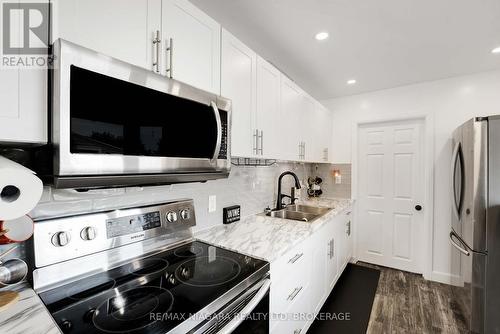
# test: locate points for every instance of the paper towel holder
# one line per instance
(10, 193)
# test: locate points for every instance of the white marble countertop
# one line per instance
(270, 238)
(28, 315)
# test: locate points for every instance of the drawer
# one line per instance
(285, 292)
(294, 319)
(292, 262)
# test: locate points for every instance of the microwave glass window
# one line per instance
(112, 116)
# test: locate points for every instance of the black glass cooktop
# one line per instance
(150, 295)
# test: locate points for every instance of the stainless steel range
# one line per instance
(139, 270)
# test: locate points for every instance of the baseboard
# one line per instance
(445, 278)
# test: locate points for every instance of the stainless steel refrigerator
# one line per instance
(475, 234)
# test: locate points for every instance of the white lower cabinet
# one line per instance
(303, 278)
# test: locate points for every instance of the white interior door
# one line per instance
(391, 189)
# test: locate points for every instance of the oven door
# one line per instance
(113, 118)
(246, 314)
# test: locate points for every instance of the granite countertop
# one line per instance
(270, 238)
(28, 315)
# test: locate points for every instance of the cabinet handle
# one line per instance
(304, 154)
(295, 258)
(261, 142)
(170, 50)
(256, 142)
(325, 154)
(156, 44)
(348, 228)
(297, 331)
(331, 251)
(294, 294)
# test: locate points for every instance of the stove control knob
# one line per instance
(172, 217)
(60, 239)
(185, 214)
(66, 325)
(89, 315)
(88, 233)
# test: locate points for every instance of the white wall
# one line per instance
(451, 102)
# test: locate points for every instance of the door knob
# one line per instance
(418, 207)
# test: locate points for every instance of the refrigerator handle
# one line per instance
(462, 250)
(455, 158)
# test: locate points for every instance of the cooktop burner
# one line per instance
(205, 271)
(90, 287)
(150, 295)
(132, 309)
(189, 250)
(147, 266)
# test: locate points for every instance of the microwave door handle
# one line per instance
(219, 131)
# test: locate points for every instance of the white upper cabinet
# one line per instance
(23, 97)
(291, 102)
(191, 45)
(308, 128)
(239, 83)
(123, 29)
(268, 110)
(319, 132)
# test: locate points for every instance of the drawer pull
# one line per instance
(297, 331)
(294, 294)
(295, 258)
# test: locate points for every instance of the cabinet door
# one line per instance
(291, 100)
(348, 233)
(23, 96)
(268, 110)
(238, 83)
(318, 286)
(309, 127)
(193, 42)
(324, 124)
(332, 254)
(123, 29)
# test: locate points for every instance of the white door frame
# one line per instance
(427, 235)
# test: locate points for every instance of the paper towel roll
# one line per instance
(20, 189)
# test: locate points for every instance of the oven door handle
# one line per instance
(236, 321)
(219, 132)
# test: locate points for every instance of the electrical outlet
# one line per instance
(212, 203)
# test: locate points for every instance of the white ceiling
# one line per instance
(380, 43)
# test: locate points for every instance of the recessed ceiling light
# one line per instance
(496, 50)
(351, 82)
(321, 36)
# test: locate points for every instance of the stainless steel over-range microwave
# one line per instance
(116, 124)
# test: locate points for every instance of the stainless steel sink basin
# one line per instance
(307, 209)
(294, 215)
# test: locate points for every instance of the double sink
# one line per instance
(299, 212)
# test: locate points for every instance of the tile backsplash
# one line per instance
(254, 188)
(329, 187)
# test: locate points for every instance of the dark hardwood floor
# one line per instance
(407, 303)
